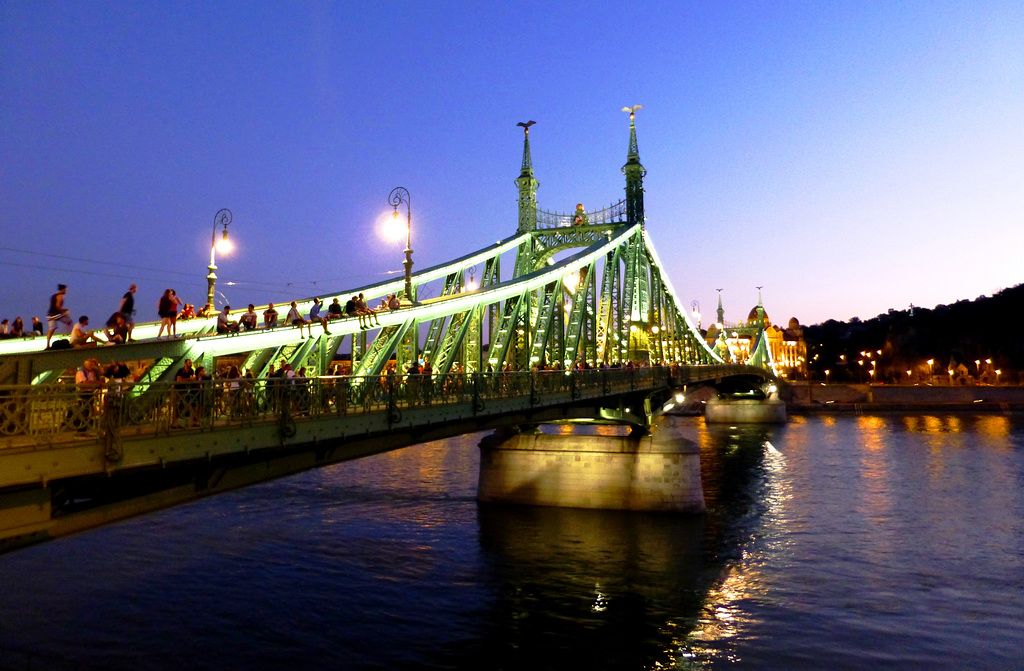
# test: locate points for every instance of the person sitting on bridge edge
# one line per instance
(334, 310)
(187, 312)
(248, 318)
(352, 310)
(81, 336)
(365, 309)
(37, 327)
(270, 317)
(393, 302)
(117, 330)
(224, 323)
(57, 313)
(294, 318)
(17, 328)
(314, 316)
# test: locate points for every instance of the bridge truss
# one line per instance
(586, 290)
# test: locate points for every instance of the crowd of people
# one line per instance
(119, 327)
(16, 329)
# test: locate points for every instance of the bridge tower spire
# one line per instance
(527, 185)
(634, 172)
(721, 312)
(760, 309)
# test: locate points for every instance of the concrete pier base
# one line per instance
(771, 410)
(657, 472)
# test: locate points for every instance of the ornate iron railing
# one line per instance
(612, 214)
(68, 410)
(39, 416)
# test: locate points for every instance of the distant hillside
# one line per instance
(989, 327)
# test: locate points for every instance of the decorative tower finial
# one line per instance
(634, 173)
(527, 185)
(721, 310)
(760, 307)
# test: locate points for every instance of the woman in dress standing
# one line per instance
(168, 311)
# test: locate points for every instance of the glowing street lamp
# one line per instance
(222, 218)
(398, 196)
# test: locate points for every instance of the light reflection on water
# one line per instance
(905, 550)
(842, 541)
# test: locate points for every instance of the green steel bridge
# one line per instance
(587, 328)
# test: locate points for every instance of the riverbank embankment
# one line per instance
(810, 397)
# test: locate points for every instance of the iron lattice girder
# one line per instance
(505, 332)
(582, 311)
(383, 346)
(608, 307)
(549, 305)
(549, 242)
(453, 339)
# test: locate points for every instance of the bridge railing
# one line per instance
(612, 214)
(37, 416)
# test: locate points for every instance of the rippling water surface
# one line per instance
(831, 542)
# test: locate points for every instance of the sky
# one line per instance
(848, 157)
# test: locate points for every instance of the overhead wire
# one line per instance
(273, 286)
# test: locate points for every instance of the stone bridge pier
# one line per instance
(659, 471)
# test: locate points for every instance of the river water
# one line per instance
(839, 542)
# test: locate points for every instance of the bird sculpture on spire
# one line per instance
(632, 110)
(526, 126)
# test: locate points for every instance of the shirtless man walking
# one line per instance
(57, 314)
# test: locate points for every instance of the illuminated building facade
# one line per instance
(758, 342)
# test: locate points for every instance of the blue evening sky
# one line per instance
(848, 156)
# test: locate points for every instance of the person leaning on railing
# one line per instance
(88, 381)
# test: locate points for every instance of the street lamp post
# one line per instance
(398, 196)
(222, 218)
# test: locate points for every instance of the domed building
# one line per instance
(756, 341)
